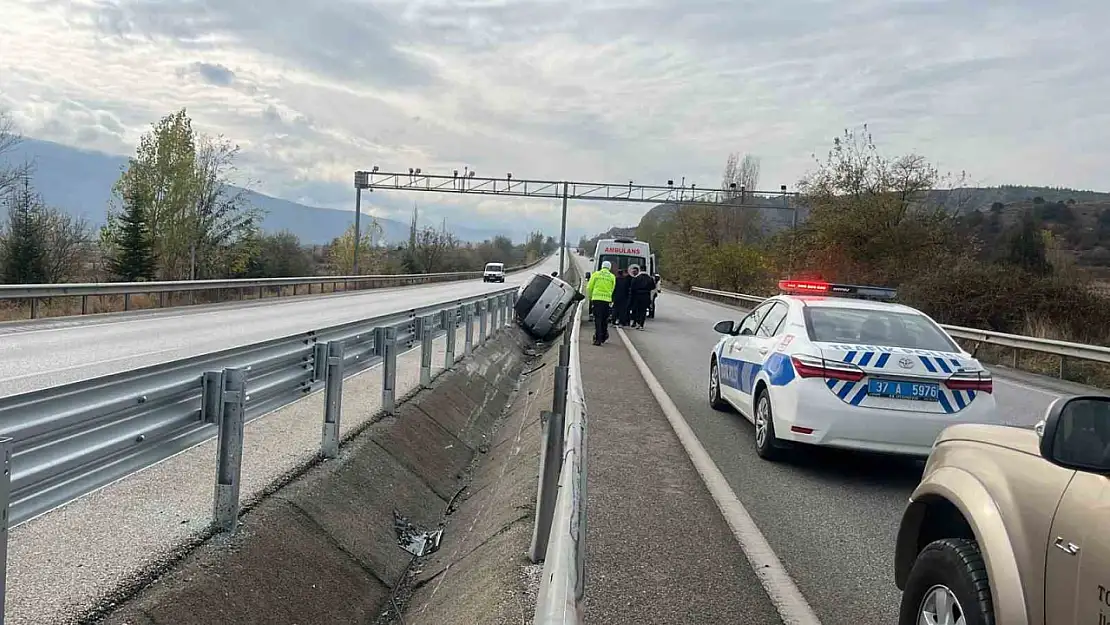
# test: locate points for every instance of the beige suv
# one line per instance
(1011, 526)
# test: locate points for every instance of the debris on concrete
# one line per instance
(418, 543)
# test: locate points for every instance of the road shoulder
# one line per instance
(657, 547)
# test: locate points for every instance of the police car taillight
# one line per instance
(814, 367)
(981, 381)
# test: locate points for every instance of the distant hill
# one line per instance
(80, 182)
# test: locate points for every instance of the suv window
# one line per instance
(494, 267)
(876, 327)
(751, 322)
(773, 321)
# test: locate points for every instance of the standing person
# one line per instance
(641, 288)
(621, 301)
(599, 290)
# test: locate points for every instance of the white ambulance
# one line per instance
(624, 252)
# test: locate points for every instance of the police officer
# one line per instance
(599, 292)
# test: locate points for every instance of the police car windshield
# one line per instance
(620, 261)
(875, 327)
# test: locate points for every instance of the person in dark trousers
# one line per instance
(599, 291)
(621, 302)
(640, 295)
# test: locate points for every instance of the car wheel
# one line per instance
(715, 401)
(948, 584)
(766, 443)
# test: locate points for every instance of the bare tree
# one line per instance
(68, 242)
(9, 138)
(744, 173)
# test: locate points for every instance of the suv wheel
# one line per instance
(948, 584)
(715, 401)
(767, 445)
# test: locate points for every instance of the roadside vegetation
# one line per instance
(1013, 267)
(175, 215)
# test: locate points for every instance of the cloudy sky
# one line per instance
(1012, 91)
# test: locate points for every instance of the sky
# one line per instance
(1010, 91)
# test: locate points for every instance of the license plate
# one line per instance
(900, 389)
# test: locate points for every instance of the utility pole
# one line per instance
(563, 235)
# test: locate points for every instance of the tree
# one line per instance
(133, 257)
(342, 252)
(196, 219)
(10, 176)
(1026, 247)
(24, 257)
(873, 218)
(68, 244)
(744, 173)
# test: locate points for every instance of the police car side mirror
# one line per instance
(728, 326)
(1073, 433)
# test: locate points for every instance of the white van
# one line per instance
(624, 252)
(494, 272)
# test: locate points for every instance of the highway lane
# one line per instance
(40, 356)
(830, 516)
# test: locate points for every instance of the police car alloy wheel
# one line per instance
(766, 443)
(715, 401)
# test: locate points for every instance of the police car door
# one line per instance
(756, 349)
(734, 370)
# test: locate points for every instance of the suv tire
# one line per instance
(956, 564)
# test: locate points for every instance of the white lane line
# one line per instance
(784, 594)
(1027, 387)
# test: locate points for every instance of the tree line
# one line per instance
(873, 219)
(174, 214)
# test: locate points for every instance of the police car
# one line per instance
(836, 365)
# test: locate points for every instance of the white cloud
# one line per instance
(606, 90)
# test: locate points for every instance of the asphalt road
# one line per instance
(831, 517)
(41, 355)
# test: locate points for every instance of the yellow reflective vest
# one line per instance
(601, 286)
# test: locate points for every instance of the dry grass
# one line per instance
(1086, 372)
(12, 310)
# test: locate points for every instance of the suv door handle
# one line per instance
(763, 351)
(1069, 548)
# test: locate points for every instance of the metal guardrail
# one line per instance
(1016, 342)
(559, 535)
(37, 292)
(63, 442)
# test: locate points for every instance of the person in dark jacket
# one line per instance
(622, 304)
(640, 295)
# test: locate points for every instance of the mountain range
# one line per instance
(80, 182)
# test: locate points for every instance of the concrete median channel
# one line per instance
(329, 545)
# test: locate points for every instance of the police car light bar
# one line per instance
(817, 287)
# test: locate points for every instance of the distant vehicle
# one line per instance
(826, 364)
(1008, 525)
(543, 305)
(624, 252)
(494, 272)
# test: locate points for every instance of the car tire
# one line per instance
(954, 566)
(767, 445)
(715, 400)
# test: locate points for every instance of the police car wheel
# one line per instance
(767, 445)
(715, 401)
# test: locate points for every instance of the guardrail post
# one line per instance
(483, 324)
(229, 454)
(320, 361)
(559, 399)
(212, 404)
(1063, 367)
(388, 346)
(333, 399)
(551, 464)
(5, 502)
(34, 308)
(426, 333)
(468, 335)
(497, 310)
(451, 325)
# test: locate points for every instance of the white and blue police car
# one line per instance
(836, 365)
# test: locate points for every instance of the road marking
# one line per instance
(784, 594)
(1026, 386)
